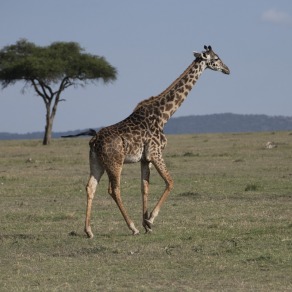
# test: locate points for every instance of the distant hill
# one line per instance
(226, 123)
(215, 123)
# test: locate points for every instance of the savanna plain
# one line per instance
(226, 226)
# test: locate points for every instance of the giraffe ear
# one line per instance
(196, 54)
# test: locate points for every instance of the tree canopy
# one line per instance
(51, 64)
(50, 70)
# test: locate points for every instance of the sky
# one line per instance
(151, 43)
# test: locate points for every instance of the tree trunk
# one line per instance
(50, 115)
(50, 98)
(49, 126)
(48, 132)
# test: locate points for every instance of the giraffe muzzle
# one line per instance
(225, 70)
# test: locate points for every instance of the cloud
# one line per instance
(278, 17)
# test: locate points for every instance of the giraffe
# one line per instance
(140, 138)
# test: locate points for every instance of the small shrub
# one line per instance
(190, 194)
(238, 160)
(251, 187)
(191, 154)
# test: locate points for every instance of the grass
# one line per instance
(225, 227)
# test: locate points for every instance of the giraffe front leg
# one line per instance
(130, 224)
(145, 174)
(160, 166)
(114, 191)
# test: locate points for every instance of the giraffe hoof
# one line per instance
(136, 232)
(148, 223)
(89, 233)
(147, 226)
(148, 230)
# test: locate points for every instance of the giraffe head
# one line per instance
(212, 60)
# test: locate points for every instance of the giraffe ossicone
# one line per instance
(140, 138)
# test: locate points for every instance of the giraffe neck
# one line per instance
(164, 105)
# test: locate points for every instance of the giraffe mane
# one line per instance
(151, 99)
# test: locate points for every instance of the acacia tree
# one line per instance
(50, 70)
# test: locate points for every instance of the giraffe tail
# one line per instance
(90, 132)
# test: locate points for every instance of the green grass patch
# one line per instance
(226, 226)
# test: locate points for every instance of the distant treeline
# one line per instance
(215, 123)
(35, 135)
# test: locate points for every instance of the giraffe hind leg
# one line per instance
(96, 173)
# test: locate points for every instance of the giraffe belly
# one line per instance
(132, 158)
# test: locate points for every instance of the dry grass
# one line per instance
(225, 227)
